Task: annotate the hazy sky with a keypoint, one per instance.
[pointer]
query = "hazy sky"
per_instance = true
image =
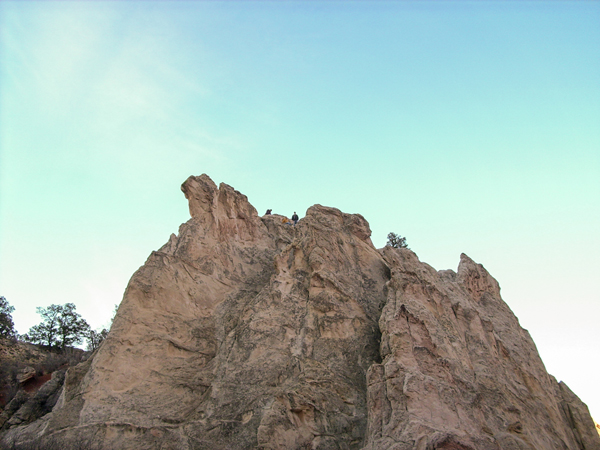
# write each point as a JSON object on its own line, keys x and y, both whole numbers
{"x": 465, "y": 126}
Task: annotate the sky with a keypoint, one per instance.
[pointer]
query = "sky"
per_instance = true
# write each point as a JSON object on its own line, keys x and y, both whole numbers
{"x": 464, "y": 126}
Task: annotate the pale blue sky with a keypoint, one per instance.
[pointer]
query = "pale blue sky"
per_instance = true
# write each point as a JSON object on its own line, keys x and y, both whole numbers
{"x": 465, "y": 126}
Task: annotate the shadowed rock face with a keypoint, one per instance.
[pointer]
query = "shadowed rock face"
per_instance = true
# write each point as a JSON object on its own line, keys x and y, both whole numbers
{"x": 244, "y": 332}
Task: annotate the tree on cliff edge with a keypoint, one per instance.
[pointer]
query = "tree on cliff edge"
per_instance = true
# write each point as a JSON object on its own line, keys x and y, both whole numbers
{"x": 396, "y": 241}
{"x": 61, "y": 327}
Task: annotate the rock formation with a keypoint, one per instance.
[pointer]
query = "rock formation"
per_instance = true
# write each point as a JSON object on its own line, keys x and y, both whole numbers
{"x": 243, "y": 332}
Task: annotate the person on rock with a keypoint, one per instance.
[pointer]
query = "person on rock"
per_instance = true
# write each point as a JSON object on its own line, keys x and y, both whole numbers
{"x": 268, "y": 213}
{"x": 295, "y": 218}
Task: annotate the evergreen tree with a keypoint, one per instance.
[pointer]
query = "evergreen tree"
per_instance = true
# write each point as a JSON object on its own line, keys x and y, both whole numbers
{"x": 396, "y": 241}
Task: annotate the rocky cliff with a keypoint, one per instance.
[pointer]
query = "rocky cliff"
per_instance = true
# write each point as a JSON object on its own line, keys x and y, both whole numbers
{"x": 243, "y": 332}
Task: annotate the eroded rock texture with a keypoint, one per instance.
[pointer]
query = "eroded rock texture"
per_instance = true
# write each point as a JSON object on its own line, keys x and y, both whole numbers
{"x": 244, "y": 332}
{"x": 458, "y": 372}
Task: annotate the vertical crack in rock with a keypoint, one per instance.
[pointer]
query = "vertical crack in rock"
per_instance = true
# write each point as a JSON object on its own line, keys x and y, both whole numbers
{"x": 244, "y": 332}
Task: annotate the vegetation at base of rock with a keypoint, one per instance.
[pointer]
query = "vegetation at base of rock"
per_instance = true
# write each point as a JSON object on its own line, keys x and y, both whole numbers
{"x": 396, "y": 241}
{"x": 7, "y": 327}
{"x": 61, "y": 327}
{"x": 95, "y": 338}
{"x": 46, "y": 348}
{"x": 18, "y": 357}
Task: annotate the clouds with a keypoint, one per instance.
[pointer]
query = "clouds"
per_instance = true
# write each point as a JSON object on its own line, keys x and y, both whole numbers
{"x": 106, "y": 89}
{"x": 96, "y": 67}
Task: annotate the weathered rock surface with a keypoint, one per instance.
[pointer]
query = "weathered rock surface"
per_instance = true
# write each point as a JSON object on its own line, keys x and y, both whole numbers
{"x": 244, "y": 332}
{"x": 25, "y": 408}
{"x": 458, "y": 372}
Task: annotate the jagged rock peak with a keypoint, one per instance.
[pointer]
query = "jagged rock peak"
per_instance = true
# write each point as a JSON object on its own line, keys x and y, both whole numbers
{"x": 324, "y": 216}
{"x": 224, "y": 202}
{"x": 246, "y": 332}
{"x": 223, "y": 210}
{"x": 477, "y": 280}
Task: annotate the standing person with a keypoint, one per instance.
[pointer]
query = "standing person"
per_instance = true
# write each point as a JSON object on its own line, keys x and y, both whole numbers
{"x": 295, "y": 218}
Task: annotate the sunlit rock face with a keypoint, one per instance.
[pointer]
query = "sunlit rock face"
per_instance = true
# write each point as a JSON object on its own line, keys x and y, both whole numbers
{"x": 458, "y": 372}
{"x": 244, "y": 332}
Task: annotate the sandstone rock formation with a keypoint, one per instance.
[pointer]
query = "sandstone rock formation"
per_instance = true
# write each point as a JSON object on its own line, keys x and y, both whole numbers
{"x": 243, "y": 332}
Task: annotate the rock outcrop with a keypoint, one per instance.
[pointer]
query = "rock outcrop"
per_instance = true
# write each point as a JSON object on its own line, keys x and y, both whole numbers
{"x": 458, "y": 372}
{"x": 244, "y": 332}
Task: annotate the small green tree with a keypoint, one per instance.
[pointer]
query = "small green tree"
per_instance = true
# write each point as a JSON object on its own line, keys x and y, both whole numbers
{"x": 61, "y": 327}
{"x": 396, "y": 241}
{"x": 7, "y": 327}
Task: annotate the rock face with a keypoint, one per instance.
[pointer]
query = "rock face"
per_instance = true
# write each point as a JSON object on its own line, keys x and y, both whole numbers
{"x": 244, "y": 332}
{"x": 458, "y": 371}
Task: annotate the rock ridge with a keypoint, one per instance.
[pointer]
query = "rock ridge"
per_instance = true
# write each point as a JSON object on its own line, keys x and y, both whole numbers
{"x": 244, "y": 332}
